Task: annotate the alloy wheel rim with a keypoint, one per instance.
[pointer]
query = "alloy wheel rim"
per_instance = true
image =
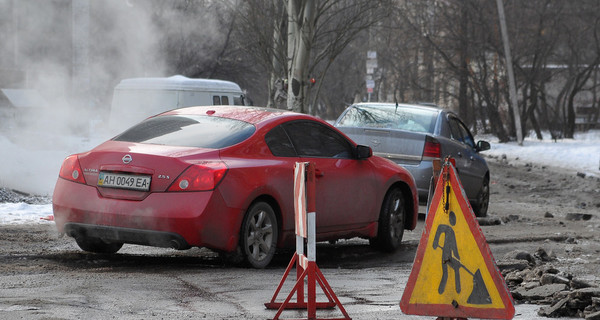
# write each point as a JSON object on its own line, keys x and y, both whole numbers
{"x": 259, "y": 236}
{"x": 485, "y": 194}
{"x": 396, "y": 218}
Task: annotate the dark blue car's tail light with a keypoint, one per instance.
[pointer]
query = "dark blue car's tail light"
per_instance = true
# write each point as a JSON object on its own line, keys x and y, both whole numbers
{"x": 432, "y": 148}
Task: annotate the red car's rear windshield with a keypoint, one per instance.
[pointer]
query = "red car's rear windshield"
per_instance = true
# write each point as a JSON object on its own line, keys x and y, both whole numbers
{"x": 189, "y": 131}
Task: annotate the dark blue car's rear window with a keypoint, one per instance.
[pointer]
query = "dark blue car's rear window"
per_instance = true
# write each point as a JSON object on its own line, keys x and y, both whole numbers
{"x": 189, "y": 131}
{"x": 390, "y": 117}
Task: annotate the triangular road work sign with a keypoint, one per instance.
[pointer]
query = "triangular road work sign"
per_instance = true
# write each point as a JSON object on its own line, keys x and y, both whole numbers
{"x": 454, "y": 273}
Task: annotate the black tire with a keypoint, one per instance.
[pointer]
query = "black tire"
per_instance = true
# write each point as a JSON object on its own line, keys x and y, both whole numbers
{"x": 97, "y": 245}
{"x": 391, "y": 221}
{"x": 432, "y": 185}
{"x": 258, "y": 237}
{"x": 480, "y": 208}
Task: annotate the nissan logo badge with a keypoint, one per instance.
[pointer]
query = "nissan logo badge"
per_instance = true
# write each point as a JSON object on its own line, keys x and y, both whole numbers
{"x": 127, "y": 159}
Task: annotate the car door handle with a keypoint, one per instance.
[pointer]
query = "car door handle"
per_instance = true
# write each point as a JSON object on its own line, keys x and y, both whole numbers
{"x": 318, "y": 173}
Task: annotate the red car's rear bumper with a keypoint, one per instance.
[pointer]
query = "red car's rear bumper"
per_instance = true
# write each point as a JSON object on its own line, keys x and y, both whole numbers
{"x": 199, "y": 218}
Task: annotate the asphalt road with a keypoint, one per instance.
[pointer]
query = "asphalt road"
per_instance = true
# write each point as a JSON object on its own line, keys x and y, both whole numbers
{"x": 44, "y": 276}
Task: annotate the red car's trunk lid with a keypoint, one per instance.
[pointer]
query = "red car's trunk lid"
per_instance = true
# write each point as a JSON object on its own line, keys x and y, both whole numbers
{"x": 161, "y": 164}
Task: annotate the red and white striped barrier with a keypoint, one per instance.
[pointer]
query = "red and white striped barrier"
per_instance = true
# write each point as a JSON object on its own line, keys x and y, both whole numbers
{"x": 306, "y": 266}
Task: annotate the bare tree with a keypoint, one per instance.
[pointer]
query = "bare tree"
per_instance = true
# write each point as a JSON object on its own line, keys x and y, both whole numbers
{"x": 314, "y": 32}
{"x": 340, "y": 23}
{"x": 261, "y": 34}
{"x": 534, "y": 49}
{"x": 465, "y": 39}
{"x": 447, "y": 52}
{"x": 301, "y": 32}
{"x": 580, "y": 53}
{"x": 408, "y": 52}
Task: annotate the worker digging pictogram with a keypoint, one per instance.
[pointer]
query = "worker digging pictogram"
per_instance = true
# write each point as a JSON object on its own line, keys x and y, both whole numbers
{"x": 451, "y": 259}
{"x": 454, "y": 274}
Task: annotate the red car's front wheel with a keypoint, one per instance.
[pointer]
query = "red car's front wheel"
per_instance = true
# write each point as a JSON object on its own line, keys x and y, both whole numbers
{"x": 391, "y": 221}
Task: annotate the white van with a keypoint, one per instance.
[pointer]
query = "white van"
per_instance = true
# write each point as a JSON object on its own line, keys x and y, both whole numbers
{"x": 136, "y": 99}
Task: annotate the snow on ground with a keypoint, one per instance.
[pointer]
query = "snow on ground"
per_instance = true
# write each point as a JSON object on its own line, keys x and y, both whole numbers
{"x": 17, "y": 213}
{"x": 30, "y": 161}
{"x": 581, "y": 154}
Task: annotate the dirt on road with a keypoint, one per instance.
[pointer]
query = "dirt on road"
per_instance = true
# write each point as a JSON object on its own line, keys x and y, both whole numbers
{"x": 45, "y": 276}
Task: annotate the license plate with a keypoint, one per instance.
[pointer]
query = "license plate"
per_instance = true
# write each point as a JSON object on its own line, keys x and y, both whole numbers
{"x": 124, "y": 181}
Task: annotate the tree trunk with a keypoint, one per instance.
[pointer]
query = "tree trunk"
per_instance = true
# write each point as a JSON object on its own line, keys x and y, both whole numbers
{"x": 463, "y": 77}
{"x": 483, "y": 114}
{"x": 496, "y": 123}
{"x": 570, "y": 125}
{"x": 525, "y": 114}
{"x": 533, "y": 96}
{"x": 595, "y": 97}
{"x": 495, "y": 119}
{"x": 275, "y": 85}
{"x": 301, "y": 15}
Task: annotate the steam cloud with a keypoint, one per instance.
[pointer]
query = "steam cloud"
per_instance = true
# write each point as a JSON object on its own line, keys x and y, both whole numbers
{"x": 74, "y": 63}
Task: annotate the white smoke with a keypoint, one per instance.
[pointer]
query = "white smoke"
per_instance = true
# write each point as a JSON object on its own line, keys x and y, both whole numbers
{"x": 73, "y": 62}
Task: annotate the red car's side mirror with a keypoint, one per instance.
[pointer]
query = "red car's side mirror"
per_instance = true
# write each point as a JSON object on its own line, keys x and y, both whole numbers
{"x": 363, "y": 152}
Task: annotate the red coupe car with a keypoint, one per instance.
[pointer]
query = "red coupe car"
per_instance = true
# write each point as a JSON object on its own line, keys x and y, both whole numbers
{"x": 222, "y": 178}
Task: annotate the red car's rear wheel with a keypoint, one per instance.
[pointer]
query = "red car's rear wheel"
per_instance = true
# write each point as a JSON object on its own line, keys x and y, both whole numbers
{"x": 259, "y": 235}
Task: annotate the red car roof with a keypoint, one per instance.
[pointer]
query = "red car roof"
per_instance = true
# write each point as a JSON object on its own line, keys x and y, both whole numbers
{"x": 252, "y": 115}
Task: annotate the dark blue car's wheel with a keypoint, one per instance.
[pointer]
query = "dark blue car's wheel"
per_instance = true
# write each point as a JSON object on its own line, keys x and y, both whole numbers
{"x": 483, "y": 199}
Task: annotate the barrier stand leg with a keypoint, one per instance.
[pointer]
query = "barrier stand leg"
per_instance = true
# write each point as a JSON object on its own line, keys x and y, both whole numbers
{"x": 313, "y": 275}
{"x": 285, "y": 305}
{"x": 329, "y": 292}
{"x": 306, "y": 266}
{"x": 300, "y": 268}
{"x": 275, "y": 305}
{"x": 300, "y": 271}
{"x": 310, "y": 265}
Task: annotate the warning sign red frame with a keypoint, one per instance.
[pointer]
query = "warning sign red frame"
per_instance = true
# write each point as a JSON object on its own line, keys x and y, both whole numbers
{"x": 452, "y": 309}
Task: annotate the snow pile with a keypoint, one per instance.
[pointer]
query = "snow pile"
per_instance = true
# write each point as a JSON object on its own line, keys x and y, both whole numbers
{"x": 13, "y": 196}
{"x": 18, "y": 207}
{"x": 30, "y": 163}
{"x": 21, "y": 212}
{"x": 581, "y": 154}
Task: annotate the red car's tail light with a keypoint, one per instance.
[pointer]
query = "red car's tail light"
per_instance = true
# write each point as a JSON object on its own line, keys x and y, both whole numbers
{"x": 432, "y": 148}
{"x": 71, "y": 170}
{"x": 200, "y": 177}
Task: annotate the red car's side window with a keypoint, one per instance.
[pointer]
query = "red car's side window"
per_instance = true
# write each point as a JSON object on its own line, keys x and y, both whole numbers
{"x": 279, "y": 143}
{"x": 311, "y": 139}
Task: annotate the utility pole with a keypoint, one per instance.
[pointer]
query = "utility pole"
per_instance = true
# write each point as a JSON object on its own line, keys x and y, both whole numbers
{"x": 511, "y": 75}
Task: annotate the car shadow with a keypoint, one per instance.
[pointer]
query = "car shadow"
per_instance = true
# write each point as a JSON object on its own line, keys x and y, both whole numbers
{"x": 343, "y": 254}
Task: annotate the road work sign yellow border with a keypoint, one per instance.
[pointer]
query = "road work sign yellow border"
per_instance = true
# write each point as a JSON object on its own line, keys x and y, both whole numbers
{"x": 454, "y": 273}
